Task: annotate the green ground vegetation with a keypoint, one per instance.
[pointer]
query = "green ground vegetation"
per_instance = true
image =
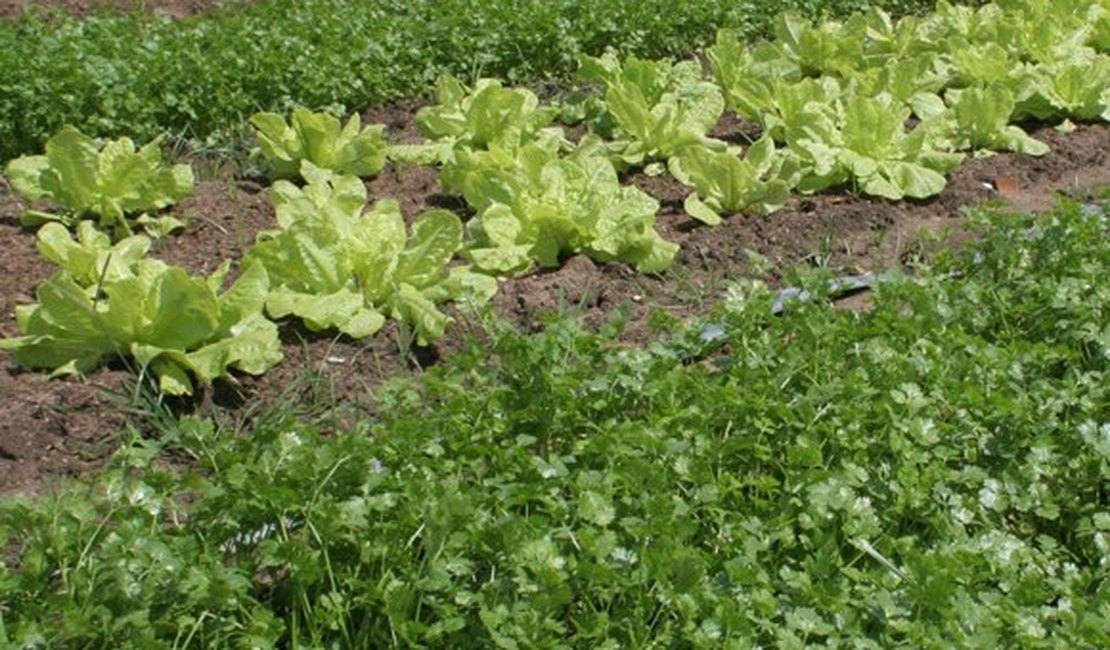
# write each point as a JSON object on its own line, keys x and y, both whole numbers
{"x": 201, "y": 77}
{"x": 929, "y": 473}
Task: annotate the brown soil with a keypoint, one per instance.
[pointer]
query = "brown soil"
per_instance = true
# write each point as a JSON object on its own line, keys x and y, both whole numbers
{"x": 50, "y": 428}
{"x": 82, "y": 8}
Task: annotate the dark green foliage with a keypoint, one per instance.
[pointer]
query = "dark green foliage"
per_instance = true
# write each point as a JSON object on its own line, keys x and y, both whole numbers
{"x": 929, "y": 474}
{"x": 139, "y": 75}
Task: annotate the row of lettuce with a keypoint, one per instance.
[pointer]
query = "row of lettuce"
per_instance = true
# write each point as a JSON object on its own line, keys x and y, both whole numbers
{"x": 834, "y": 103}
{"x": 199, "y": 78}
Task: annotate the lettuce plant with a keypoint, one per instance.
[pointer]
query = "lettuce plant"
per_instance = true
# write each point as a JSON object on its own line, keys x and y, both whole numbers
{"x": 863, "y": 140}
{"x": 727, "y": 184}
{"x": 1076, "y": 88}
{"x": 335, "y": 266}
{"x": 916, "y": 82}
{"x": 319, "y": 139}
{"x": 547, "y": 206}
{"x": 658, "y": 108}
{"x": 760, "y": 85}
{"x": 477, "y": 118}
{"x": 804, "y": 49}
{"x": 110, "y": 301}
{"x": 115, "y": 183}
{"x": 762, "y": 90}
{"x": 979, "y": 119}
{"x": 1048, "y": 54}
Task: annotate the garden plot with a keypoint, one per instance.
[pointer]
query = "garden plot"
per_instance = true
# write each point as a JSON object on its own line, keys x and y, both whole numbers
{"x": 642, "y": 119}
{"x": 64, "y": 426}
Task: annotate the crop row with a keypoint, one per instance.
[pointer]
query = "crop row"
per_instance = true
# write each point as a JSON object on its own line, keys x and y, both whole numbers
{"x": 833, "y": 102}
{"x": 928, "y": 474}
{"x": 145, "y": 75}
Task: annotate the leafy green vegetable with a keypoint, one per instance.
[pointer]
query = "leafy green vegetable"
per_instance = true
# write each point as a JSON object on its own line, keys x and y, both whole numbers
{"x": 486, "y": 115}
{"x": 332, "y": 265}
{"x": 658, "y": 107}
{"x": 1046, "y": 53}
{"x": 759, "y": 91}
{"x": 983, "y": 63}
{"x": 980, "y": 119}
{"x": 1076, "y": 88}
{"x": 865, "y": 140}
{"x": 110, "y": 182}
{"x": 108, "y": 300}
{"x": 319, "y": 139}
{"x": 915, "y": 82}
{"x": 804, "y": 49}
{"x": 536, "y": 206}
{"x": 727, "y": 184}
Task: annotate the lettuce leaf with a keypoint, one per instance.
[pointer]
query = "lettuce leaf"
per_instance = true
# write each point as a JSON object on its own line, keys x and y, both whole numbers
{"x": 559, "y": 205}
{"x": 335, "y": 266}
{"x": 813, "y": 50}
{"x": 115, "y": 183}
{"x": 727, "y": 184}
{"x": 659, "y": 108}
{"x": 758, "y": 91}
{"x": 864, "y": 140}
{"x": 979, "y": 119}
{"x": 487, "y": 115}
{"x": 1077, "y": 88}
{"x": 109, "y": 301}
{"x": 319, "y": 139}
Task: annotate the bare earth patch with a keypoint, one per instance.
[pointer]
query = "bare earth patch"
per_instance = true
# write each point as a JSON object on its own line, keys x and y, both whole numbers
{"x": 52, "y": 428}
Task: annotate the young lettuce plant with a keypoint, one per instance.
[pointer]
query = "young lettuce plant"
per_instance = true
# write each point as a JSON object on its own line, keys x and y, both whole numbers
{"x": 884, "y": 39}
{"x": 864, "y": 140}
{"x": 759, "y": 91}
{"x": 110, "y": 301}
{"x": 319, "y": 139}
{"x": 495, "y": 175}
{"x": 979, "y": 119}
{"x": 477, "y": 118}
{"x": 335, "y": 266}
{"x": 658, "y": 108}
{"x": 804, "y": 49}
{"x": 727, "y": 184}
{"x": 1047, "y": 54}
{"x": 915, "y": 82}
{"x": 116, "y": 183}
{"x": 1077, "y": 88}
{"x": 553, "y": 206}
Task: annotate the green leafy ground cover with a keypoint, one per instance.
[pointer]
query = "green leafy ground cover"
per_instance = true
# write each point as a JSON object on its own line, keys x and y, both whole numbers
{"x": 840, "y": 104}
{"x": 142, "y": 75}
{"x": 929, "y": 473}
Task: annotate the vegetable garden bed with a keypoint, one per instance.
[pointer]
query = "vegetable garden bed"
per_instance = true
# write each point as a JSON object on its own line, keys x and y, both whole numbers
{"x": 351, "y": 402}
{"x": 57, "y": 427}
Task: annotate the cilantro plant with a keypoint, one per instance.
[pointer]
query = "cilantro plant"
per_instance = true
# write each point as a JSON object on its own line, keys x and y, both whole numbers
{"x": 111, "y": 182}
{"x": 110, "y": 301}
{"x": 319, "y": 139}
